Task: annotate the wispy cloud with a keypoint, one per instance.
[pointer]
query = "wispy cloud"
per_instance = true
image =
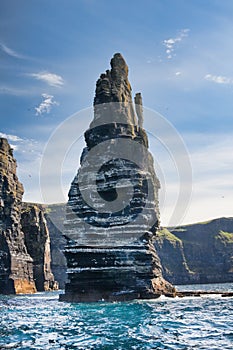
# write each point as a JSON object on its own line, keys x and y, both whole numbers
{"x": 21, "y": 145}
{"x": 171, "y": 43}
{"x": 219, "y": 79}
{"x": 8, "y": 90}
{"x": 10, "y": 137}
{"x": 9, "y": 51}
{"x": 49, "y": 78}
{"x": 46, "y": 105}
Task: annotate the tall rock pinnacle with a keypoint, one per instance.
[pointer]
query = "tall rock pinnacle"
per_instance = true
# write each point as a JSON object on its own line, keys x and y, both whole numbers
{"x": 112, "y": 211}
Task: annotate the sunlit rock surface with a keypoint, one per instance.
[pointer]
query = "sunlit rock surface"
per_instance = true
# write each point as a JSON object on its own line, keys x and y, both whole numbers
{"x": 112, "y": 212}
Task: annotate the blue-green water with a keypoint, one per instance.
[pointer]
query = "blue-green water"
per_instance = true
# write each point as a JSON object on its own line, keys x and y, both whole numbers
{"x": 40, "y": 321}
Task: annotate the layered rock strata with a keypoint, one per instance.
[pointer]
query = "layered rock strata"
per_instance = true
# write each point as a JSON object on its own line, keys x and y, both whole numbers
{"x": 112, "y": 211}
{"x": 214, "y": 239}
{"x": 37, "y": 240}
{"x": 16, "y": 265}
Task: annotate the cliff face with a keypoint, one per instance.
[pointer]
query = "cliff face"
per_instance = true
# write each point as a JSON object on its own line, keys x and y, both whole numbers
{"x": 16, "y": 272}
{"x": 37, "y": 241}
{"x": 112, "y": 212}
{"x": 173, "y": 260}
{"x": 208, "y": 250}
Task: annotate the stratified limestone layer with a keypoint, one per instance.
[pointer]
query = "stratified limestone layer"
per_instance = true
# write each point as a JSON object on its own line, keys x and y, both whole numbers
{"x": 109, "y": 252}
{"x": 16, "y": 272}
{"x": 114, "y": 274}
{"x": 37, "y": 240}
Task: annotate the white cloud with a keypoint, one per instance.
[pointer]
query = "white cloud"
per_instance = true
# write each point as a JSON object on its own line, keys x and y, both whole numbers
{"x": 170, "y": 43}
{"x": 6, "y": 90}
{"x": 49, "y": 78}
{"x": 219, "y": 79}
{"x": 10, "y": 137}
{"x": 178, "y": 73}
{"x": 15, "y": 147}
{"x": 9, "y": 51}
{"x": 46, "y": 104}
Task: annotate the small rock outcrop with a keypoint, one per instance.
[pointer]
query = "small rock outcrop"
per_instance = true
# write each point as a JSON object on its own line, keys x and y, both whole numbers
{"x": 16, "y": 265}
{"x": 112, "y": 211}
{"x": 37, "y": 241}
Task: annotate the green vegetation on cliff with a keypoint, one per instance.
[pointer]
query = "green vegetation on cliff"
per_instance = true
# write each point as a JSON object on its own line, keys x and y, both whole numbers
{"x": 206, "y": 249}
{"x": 164, "y": 233}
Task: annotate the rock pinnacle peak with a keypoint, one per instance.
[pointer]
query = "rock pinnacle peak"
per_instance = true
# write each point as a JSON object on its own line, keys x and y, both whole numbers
{"x": 118, "y": 64}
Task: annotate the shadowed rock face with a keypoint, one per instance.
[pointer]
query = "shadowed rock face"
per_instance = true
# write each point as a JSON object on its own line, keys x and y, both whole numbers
{"x": 16, "y": 272}
{"x": 55, "y": 215}
{"x": 208, "y": 251}
{"x": 109, "y": 251}
{"x": 37, "y": 241}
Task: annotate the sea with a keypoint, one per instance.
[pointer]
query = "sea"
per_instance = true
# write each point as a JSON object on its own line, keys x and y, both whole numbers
{"x": 40, "y": 321}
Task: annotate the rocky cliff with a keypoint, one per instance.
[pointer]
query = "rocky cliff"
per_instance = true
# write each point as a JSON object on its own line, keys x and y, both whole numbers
{"x": 112, "y": 212}
{"x": 171, "y": 252}
{"x": 205, "y": 252}
{"x": 24, "y": 237}
{"x": 37, "y": 241}
{"x": 16, "y": 265}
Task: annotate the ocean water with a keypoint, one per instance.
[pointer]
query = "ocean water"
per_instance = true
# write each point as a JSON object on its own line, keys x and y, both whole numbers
{"x": 40, "y": 321}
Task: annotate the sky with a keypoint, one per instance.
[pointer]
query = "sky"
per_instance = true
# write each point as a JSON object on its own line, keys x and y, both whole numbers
{"x": 179, "y": 54}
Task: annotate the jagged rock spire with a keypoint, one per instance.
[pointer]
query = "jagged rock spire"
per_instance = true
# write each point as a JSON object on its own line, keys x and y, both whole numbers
{"x": 113, "y": 88}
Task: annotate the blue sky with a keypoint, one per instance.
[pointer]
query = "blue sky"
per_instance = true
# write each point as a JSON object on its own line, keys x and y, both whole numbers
{"x": 180, "y": 58}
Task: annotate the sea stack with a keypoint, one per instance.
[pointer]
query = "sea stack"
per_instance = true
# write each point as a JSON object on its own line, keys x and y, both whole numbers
{"x": 112, "y": 212}
{"x": 16, "y": 270}
{"x": 37, "y": 241}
